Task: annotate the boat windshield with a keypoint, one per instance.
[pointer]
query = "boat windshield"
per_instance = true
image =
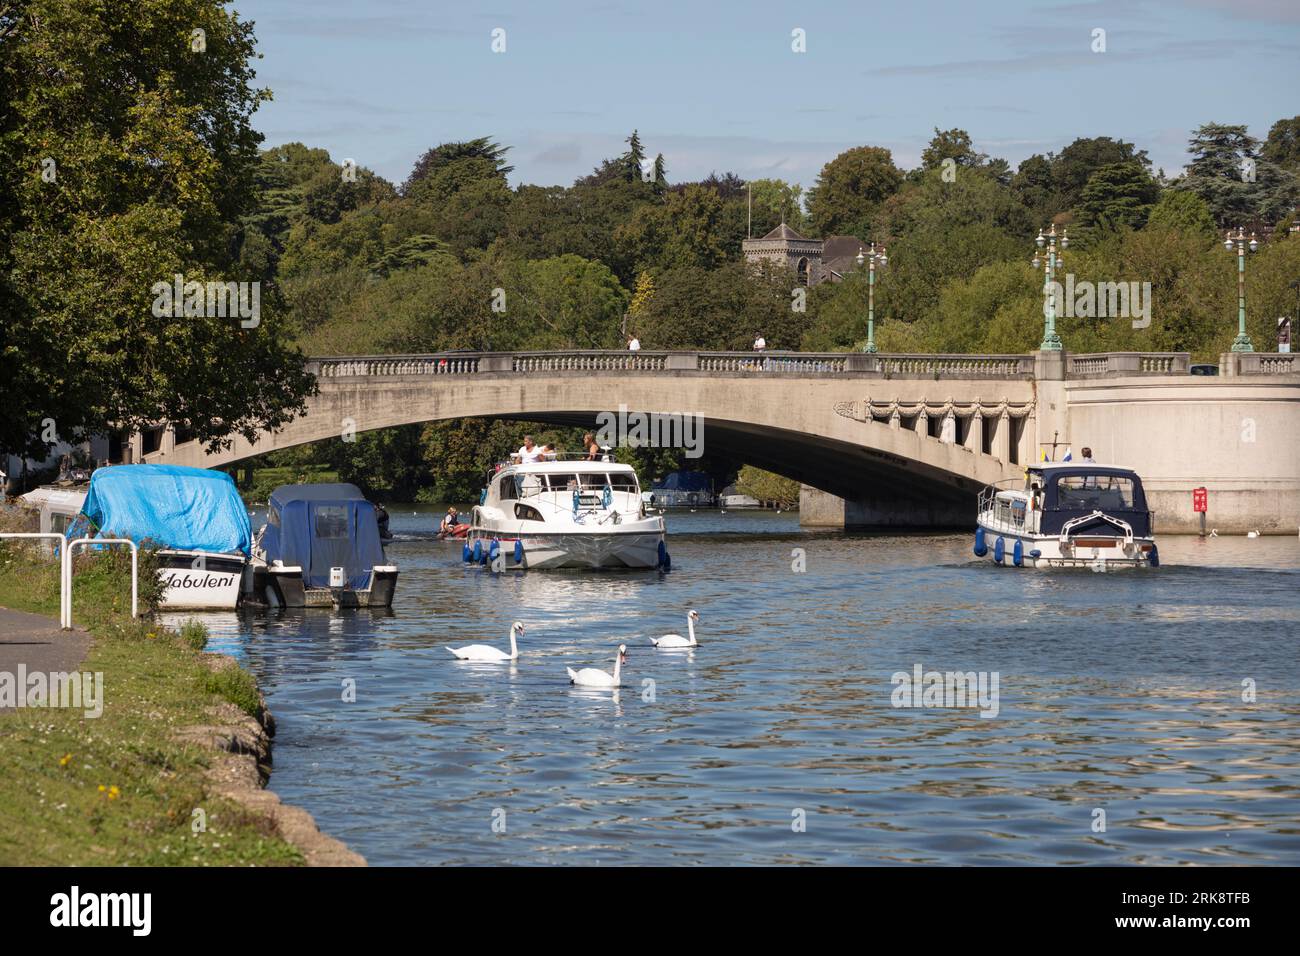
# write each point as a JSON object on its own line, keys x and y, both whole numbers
{"x": 1093, "y": 492}
{"x": 528, "y": 484}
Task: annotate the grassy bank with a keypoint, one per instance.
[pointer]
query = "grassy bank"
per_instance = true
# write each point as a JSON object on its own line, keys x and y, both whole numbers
{"x": 117, "y": 789}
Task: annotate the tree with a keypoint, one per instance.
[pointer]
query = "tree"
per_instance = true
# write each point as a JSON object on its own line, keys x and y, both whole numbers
{"x": 684, "y": 230}
{"x": 849, "y": 190}
{"x": 484, "y": 154}
{"x": 1119, "y": 195}
{"x": 151, "y": 162}
{"x": 1075, "y": 164}
{"x": 1283, "y": 144}
{"x": 767, "y": 487}
{"x": 1185, "y": 212}
{"x": 1237, "y": 184}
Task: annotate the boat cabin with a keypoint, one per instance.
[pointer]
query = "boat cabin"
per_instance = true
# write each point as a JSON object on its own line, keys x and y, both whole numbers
{"x": 1065, "y": 497}
{"x": 535, "y": 490}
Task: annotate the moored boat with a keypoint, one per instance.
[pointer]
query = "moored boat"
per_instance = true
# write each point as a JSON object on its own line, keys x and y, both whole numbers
{"x": 566, "y": 514}
{"x": 194, "y": 517}
{"x": 1067, "y": 514}
{"x": 320, "y": 547}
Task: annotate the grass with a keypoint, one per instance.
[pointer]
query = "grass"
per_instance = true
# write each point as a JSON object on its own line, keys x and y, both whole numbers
{"x": 117, "y": 789}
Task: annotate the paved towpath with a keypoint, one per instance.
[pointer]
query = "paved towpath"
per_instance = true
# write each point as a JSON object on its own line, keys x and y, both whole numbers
{"x": 37, "y": 643}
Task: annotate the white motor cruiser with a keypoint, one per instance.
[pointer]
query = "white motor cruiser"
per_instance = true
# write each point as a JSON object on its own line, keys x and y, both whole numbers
{"x": 565, "y": 514}
{"x": 1067, "y": 514}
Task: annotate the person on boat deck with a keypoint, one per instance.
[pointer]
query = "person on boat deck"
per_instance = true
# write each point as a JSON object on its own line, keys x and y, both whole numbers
{"x": 548, "y": 452}
{"x": 1087, "y": 460}
{"x": 530, "y": 452}
{"x": 449, "y": 520}
{"x": 590, "y": 447}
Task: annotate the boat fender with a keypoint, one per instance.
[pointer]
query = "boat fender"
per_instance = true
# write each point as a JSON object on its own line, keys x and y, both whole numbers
{"x": 981, "y": 546}
{"x": 665, "y": 562}
{"x": 482, "y": 496}
{"x": 999, "y": 550}
{"x": 1035, "y": 553}
{"x": 494, "y": 549}
{"x": 519, "y": 551}
{"x": 464, "y": 552}
{"x": 1018, "y": 554}
{"x": 1154, "y": 558}
{"x": 478, "y": 551}
{"x": 607, "y": 496}
{"x": 577, "y": 501}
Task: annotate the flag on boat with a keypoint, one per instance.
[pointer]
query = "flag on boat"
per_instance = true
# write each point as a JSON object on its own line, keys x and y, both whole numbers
{"x": 1042, "y": 454}
{"x": 1069, "y": 455}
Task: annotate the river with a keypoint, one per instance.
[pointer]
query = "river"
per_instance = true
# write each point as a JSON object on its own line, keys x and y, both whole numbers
{"x": 1118, "y": 735}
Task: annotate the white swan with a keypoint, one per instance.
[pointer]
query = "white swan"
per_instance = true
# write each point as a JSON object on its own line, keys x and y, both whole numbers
{"x": 1252, "y": 534}
{"x": 676, "y": 640}
{"x": 591, "y": 677}
{"x": 485, "y": 652}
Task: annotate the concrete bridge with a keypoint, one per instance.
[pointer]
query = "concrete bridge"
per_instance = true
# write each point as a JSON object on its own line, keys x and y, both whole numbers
{"x": 877, "y": 440}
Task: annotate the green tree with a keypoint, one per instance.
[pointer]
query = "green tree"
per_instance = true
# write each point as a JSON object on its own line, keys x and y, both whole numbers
{"x": 1184, "y": 212}
{"x": 1282, "y": 147}
{"x": 154, "y": 165}
{"x": 849, "y": 190}
{"x": 1119, "y": 195}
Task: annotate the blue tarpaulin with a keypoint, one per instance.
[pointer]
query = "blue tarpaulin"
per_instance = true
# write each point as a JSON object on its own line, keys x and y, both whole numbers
{"x": 171, "y": 506}
{"x": 318, "y": 527}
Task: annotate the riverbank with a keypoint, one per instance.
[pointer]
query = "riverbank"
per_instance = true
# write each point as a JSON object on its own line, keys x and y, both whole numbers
{"x": 164, "y": 762}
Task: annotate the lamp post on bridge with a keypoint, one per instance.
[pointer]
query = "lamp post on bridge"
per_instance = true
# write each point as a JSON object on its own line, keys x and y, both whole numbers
{"x": 1048, "y": 245}
{"x": 870, "y": 259}
{"x": 1242, "y": 342}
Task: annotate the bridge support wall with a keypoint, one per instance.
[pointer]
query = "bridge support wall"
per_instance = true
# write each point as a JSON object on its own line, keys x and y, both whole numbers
{"x": 820, "y": 509}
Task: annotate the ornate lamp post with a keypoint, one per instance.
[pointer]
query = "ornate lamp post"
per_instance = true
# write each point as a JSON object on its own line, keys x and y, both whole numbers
{"x": 1048, "y": 244}
{"x": 1239, "y": 242}
{"x": 870, "y": 259}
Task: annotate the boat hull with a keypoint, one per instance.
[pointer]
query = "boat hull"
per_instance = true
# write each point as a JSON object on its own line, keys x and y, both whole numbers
{"x": 1044, "y": 552}
{"x": 200, "y": 580}
{"x": 285, "y": 587}
{"x": 632, "y": 549}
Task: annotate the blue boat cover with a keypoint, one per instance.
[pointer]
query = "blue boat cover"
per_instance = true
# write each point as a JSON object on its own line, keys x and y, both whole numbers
{"x": 318, "y": 527}
{"x": 170, "y": 506}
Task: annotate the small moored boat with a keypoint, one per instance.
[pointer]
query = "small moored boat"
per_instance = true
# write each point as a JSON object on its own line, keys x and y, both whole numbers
{"x": 1067, "y": 514}
{"x": 320, "y": 547}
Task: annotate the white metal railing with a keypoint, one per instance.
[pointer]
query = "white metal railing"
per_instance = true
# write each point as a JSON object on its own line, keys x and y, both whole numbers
{"x": 65, "y": 569}
{"x": 65, "y": 592}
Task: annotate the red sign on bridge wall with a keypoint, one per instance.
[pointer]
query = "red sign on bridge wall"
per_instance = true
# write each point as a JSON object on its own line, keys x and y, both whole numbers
{"x": 1200, "y": 500}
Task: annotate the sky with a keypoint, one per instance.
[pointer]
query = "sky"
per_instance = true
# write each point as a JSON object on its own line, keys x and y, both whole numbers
{"x": 717, "y": 86}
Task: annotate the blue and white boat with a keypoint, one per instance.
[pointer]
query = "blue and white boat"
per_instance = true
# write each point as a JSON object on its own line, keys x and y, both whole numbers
{"x": 194, "y": 517}
{"x": 1067, "y": 514}
{"x": 321, "y": 547}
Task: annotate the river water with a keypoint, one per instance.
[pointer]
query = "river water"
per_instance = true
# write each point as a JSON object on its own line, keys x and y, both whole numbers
{"x": 1120, "y": 735}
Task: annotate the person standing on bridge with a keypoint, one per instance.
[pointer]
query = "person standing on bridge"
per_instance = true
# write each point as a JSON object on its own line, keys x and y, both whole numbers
{"x": 760, "y": 343}
{"x": 633, "y": 344}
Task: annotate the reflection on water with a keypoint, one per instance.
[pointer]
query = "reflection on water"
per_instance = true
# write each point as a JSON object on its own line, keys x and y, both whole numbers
{"x": 1119, "y": 691}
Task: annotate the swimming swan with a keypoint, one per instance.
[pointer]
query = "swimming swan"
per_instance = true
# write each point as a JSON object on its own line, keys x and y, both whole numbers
{"x": 676, "y": 640}
{"x": 591, "y": 677}
{"x": 485, "y": 652}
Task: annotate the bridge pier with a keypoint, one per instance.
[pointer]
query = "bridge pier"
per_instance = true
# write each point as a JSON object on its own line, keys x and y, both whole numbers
{"x": 821, "y": 509}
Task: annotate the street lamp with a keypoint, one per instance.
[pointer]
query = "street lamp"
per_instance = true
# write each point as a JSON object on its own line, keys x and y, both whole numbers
{"x": 870, "y": 259}
{"x": 1242, "y": 342}
{"x": 1048, "y": 244}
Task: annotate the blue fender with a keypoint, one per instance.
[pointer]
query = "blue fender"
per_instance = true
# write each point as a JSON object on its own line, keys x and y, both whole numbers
{"x": 1018, "y": 554}
{"x": 519, "y": 551}
{"x": 607, "y": 496}
{"x": 465, "y": 552}
{"x": 478, "y": 551}
{"x": 665, "y": 561}
{"x": 999, "y": 550}
{"x": 1154, "y": 557}
{"x": 981, "y": 546}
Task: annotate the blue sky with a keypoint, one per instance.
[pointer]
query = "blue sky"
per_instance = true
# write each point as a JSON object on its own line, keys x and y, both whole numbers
{"x": 716, "y": 86}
